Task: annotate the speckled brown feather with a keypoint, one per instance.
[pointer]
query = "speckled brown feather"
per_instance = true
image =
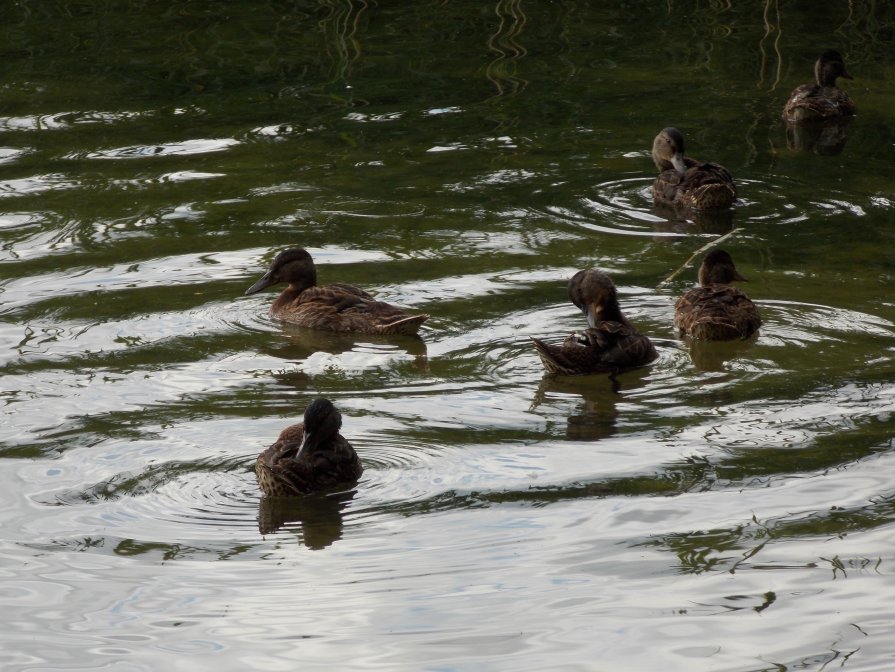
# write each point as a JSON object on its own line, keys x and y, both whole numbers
{"x": 824, "y": 100}
{"x": 341, "y": 307}
{"x": 608, "y": 347}
{"x": 686, "y": 182}
{"x": 281, "y": 474}
{"x": 337, "y": 307}
{"x": 716, "y": 313}
{"x": 810, "y": 102}
{"x": 309, "y": 456}
{"x": 716, "y": 310}
{"x": 703, "y": 186}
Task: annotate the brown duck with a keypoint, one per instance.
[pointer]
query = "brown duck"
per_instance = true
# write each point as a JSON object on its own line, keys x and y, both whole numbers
{"x": 716, "y": 310}
{"x": 686, "y": 182}
{"x": 823, "y": 101}
{"x": 309, "y": 456}
{"x": 336, "y": 307}
{"x": 610, "y": 345}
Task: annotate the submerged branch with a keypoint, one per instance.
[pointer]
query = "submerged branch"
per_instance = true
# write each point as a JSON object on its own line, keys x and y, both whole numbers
{"x": 689, "y": 262}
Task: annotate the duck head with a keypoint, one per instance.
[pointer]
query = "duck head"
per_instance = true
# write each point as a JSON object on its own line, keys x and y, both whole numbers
{"x": 668, "y": 150}
{"x": 322, "y": 422}
{"x": 294, "y": 266}
{"x": 594, "y": 294}
{"x": 828, "y": 67}
{"x": 717, "y": 269}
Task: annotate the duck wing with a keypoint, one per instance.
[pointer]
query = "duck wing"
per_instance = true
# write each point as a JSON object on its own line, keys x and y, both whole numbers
{"x": 349, "y": 289}
{"x": 817, "y": 103}
{"x": 343, "y": 307}
{"x": 704, "y": 185}
{"x": 666, "y": 186}
{"x": 607, "y": 347}
{"x": 282, "y": 473}
{"x": 707, "y": 185}
{"x": 716, "y": 313}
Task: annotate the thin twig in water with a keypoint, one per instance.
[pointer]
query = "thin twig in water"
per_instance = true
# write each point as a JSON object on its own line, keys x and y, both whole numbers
{"x": 686, "y": 265}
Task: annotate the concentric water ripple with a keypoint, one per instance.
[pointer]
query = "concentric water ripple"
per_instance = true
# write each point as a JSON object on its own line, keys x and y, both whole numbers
{"x": 462, "y": 161}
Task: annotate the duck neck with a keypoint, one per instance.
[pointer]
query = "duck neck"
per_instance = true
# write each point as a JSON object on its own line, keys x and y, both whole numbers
{"x": 825, "y": 75}
{"x": 611, "y": 312}
{"x": 292, "y": 292}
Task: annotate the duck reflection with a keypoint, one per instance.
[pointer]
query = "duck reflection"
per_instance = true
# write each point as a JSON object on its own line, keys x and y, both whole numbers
{"x": 595, "y": 417}
{"x": 825, "y": 138}
{"x": 711, "y": 356}
{"x": 677, "y": 220}
{"x": 319, "y": 516}
{"x": 301, "y": 343}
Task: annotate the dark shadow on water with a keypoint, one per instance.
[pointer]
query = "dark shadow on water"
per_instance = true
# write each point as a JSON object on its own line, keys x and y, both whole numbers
{"x": 595, "y": 416}
{"x": 306, "y": 342}
{"x": 714, "y": 355}
{"x": 316, "y": 518}
{"x": 687, "y": 220}
{"x": 825, "y": 139}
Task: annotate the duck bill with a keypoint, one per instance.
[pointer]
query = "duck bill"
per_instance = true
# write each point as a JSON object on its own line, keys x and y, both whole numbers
{"x": 305, "y": 442}
{"x": 677, "y": 160}
{"x": 845, "y": 74}
{"x": 593, "y": 313}
{"x": 737, "y": 276}
{"x": 265, "y": 281}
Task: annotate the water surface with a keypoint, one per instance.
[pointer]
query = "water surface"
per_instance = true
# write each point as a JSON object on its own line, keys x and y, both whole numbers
{"x": 728, "y": 508}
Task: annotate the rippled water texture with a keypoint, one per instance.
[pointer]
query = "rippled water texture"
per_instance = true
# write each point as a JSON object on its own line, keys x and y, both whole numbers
{"x": 731, "y": 507}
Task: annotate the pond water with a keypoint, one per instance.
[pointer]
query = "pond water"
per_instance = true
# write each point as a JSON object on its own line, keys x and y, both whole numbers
{"x": 731, "y": 507}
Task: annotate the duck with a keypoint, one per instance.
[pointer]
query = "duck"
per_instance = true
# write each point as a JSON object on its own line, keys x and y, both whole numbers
{"x": 823, "y": 101}
{"x": 686, "y": 182}
{"x": 716, "y": 310}
{"x": 337, "y": 307}
{"x": 309, "y": 456}
{"x": 610, "y": 344}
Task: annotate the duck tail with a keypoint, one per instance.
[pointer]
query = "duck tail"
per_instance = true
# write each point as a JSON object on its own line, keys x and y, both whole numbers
{"x": 547, "y": 358}
{"x": 715, "y": 329}
{"x": 406, "y": 325}
{"x": 714, "y": 195}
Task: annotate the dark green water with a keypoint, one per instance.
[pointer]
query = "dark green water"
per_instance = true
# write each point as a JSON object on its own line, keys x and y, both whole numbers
{"x": 462, "y": 159}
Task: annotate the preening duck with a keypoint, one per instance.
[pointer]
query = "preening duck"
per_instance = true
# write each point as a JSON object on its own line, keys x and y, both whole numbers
{"x": 611, "y": 343}
{"x": 309, "y": 456}
{"x": 683, "y": 181}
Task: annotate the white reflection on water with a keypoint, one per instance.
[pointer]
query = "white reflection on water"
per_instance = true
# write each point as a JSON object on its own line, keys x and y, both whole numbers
{"x": 35, "y": 184}
{"x": 182, "y": 148}
{"x": 728, "y": 508}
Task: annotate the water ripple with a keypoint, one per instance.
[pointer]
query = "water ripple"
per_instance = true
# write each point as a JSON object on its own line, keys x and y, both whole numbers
{"x": 182, "y": 148}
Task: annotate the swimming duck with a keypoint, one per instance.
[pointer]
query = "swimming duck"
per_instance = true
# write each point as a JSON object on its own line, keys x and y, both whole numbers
{"x": 822, "y": 101}
{"x": 336, "y": 307}
{"x": 611, "y": 343}
{"x": 716, "y": 311}
{"x": 309, "y": 456}
{"x": 683, "y": 181}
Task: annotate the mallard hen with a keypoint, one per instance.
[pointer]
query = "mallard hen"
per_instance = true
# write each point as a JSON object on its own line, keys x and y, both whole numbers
{"x": 611, "y": 343}
{"x": 335, "y": 307}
